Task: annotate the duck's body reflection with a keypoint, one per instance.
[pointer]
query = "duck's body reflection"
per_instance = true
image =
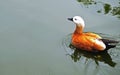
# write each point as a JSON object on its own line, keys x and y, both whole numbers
{"x": 97, "y": 57}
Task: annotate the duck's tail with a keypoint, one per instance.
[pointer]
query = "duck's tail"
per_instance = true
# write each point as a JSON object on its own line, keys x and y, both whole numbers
{"x": 110, "y": 43}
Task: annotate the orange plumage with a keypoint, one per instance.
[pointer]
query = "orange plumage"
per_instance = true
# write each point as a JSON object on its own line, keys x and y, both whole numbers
{"x": 88, "y": 41}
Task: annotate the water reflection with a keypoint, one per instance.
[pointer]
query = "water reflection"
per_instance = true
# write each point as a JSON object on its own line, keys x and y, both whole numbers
{"x": 104, "y": 57}
{"x": 105, "y": 8}
{"x": 97, "y": 57}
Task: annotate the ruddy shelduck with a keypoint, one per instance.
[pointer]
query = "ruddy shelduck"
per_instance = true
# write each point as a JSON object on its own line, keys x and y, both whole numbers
{"x": 89, "y": 41}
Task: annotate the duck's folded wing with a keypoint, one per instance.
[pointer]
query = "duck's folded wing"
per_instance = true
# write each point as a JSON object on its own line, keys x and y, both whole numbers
{"x": 98, "y": 45}
{"x": 110, "y": 43}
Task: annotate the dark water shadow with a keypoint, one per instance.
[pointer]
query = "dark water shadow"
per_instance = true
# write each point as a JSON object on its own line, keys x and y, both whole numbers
{"x": 104, "y": 57}
{"x": 97, "y": 57}
{"x": 104, "y": 7}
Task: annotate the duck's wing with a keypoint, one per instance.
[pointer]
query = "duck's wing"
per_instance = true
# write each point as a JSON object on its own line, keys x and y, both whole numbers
{"x": 94, "y": 41}
{"x": 110, "y": 43}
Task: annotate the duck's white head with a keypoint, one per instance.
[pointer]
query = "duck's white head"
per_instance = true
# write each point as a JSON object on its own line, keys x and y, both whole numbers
{"x": 77, "y": 20}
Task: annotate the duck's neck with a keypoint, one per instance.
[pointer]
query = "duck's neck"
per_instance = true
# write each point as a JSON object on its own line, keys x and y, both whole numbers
{"x": 79, "y": 29}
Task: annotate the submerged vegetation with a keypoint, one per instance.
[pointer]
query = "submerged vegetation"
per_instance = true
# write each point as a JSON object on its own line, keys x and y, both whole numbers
{"x": 105, "y": 7}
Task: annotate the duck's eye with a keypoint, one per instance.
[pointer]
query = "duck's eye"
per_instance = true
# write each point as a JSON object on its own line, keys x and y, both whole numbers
{"x": 75, "y": 19}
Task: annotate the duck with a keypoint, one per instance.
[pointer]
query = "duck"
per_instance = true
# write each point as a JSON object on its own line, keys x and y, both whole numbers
{"x": 89, "y": 41}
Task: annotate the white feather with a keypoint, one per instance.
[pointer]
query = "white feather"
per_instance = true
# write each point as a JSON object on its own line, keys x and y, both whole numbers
{"x": 100, "y": 43}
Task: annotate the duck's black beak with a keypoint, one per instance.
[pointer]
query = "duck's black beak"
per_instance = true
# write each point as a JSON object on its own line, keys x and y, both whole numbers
{"x": 70, "y": 19}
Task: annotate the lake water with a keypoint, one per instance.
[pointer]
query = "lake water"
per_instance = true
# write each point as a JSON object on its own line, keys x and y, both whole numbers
{"x": 32, "y": 34}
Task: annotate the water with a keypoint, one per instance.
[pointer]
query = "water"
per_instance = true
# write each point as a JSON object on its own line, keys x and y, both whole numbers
{"x": 32, "y": 32}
